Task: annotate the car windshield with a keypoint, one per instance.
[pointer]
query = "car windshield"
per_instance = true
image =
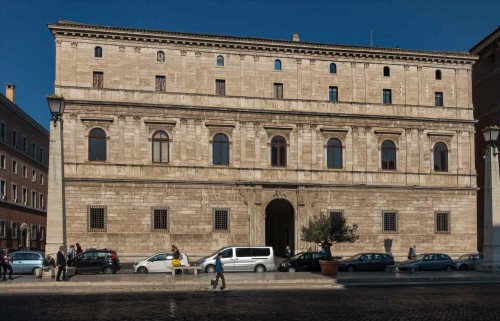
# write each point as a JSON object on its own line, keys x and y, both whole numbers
{"x": 466, "y": 257}
{"x": 216, "y": 252}
{"x": 355, "y": 257}
{"x": 419, "y": 257}
{"x": 297, "y": 256}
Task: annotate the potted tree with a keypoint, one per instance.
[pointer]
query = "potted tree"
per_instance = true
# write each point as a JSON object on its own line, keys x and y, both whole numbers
{"x": 327, "y": 230}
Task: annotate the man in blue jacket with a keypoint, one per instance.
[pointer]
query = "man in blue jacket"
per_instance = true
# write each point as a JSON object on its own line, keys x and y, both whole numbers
{"x": 219, "y": 271}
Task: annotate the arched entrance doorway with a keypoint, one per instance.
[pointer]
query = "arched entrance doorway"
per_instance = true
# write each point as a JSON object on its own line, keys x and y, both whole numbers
{"x": 280, "y": 230}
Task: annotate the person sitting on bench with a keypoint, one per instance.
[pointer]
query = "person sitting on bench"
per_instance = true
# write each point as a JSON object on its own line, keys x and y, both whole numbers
{"x": 48, "y": 264}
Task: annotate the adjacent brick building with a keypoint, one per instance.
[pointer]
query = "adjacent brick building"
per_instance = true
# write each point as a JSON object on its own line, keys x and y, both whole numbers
{"x": 24, "y": 146}
{"x": 205, "y": 140}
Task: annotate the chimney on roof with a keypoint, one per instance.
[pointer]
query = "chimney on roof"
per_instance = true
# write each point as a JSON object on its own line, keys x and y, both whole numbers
{"x": 10, "y": 91}
{"x": 295, "y": 37}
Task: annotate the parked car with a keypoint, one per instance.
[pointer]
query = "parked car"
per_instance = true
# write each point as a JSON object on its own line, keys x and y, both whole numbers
{"x": 95, "y": 261}
{"x": 241, "y": 258}
{"x": 303, "y": 261}
{"x": 468, "y": 262}
{"x": 158, "y": 263}
{"x": 428, "y": 262}
{"x": 367, "y": 262}
{"x": 26, "y": 262}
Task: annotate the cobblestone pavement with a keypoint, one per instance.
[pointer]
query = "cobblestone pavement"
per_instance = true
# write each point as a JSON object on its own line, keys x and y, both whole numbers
{"x": 437, "y": 302}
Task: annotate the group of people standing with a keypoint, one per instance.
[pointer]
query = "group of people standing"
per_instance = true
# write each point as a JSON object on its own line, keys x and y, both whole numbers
{"x": 412, "y": 252}
{"x": 49, "y": 264}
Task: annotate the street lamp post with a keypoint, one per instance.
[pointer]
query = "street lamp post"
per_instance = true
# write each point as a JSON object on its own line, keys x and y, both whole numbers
{"x": 491, "y": 247}
{"x": 56, "y": 209}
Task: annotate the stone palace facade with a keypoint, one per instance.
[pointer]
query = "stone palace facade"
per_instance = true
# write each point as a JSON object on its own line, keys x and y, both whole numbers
{"x": 204, "y": 141}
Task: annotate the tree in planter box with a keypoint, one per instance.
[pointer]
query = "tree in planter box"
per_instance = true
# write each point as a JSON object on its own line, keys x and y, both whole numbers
{"x": 326, "y": 230}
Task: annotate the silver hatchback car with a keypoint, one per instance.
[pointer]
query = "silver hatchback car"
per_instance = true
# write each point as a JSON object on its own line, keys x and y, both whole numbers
{"x": 26, "y": 262}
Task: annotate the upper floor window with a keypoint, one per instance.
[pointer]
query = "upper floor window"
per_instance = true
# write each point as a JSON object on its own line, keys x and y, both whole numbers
{"x": 388, "y": 155}
{"x": 333, "y": 93}
{"x": 334, "y": 153}
{"x": 25, "y": 145}
{"x": 3, "y": 189}
{"x": 387, "y": 96}
{"x": 14, "y": 138}
{"x": 333, "y": 68}
{"x": 278, "y": 90}
{"x": 3, "y": 161}
{"x": 221, "y": 150}
{"x": 42, "y": 160}
{"x": 3, "y": 131}
{"x": 438, "y": 75}
{"x": 33, "y": 150}
{"x": 278, "y": 151}
{"x": 387, "y": 71}
{"x": 14, "y": 166}
{"x": 160, "y": 83}
{"x": 98, "y": 52}
{"x": 440, "y": 157}
{"x": 220, "y": 87}
{"x": 97, "y": 145}
{"x": 98, "y": 80}
{"x": 220, "y": 61}
{"x": 390, "y": 222}
{"x": 438, "y": 99}
{"x": 160, "y": 56}
{"x": 160, "y": 147}
{"x": 277, "y": 64}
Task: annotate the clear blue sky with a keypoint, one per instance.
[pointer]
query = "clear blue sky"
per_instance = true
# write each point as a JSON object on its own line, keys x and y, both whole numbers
{"x": 27, "y": 47}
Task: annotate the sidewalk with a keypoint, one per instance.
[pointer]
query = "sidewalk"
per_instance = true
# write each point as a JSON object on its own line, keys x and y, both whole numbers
{"x": 235, "y": 281}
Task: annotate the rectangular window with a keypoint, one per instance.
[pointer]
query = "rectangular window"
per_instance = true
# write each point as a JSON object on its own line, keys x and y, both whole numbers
{"x": 159, "y": 219}
{"x": 96, "y": 218}
{"x": 161, "y": 83}
{"x": 33, "y": 232}
{"x": 25, "y": 171}
{"x": 335, "y": 214}
{"x": 333, "y": 93}
{"x": 3, "y": 189}
{"x": 220, "y": 87}
{"x": 442, "y": 220}
{"x": 278, "y": 90}
{"x": 220, "y": 219}
{"x": 14, "y": 193}
{"x": 42, "y": 233}
{"x": 3, "y": 132}
{"x": 14, "y": 166}
{"x": 41, "y": 159}
{"x": 3, "y": 161}
{"x": 33, "y": 150}
{"x": 13, "y": 226}
{"x": 438, "y": 98}
{"x": 390, "y": 222}
{"x": 41, "y": 179}
{"x": 33, "y": 176}
{"x": 33, "y": 198}
{"x": 42, "y": 201}
{"x": 25, "y": 196}
{"x": 3, "y": 228}
{"x": 25, "y": 145}
{"x": 98, "y": 81}
{"x": 14, "y": 138}
{"x": 387, "y": 94}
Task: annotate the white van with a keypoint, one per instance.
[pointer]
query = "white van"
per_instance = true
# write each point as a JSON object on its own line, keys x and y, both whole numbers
{"x": 241, "y": 258}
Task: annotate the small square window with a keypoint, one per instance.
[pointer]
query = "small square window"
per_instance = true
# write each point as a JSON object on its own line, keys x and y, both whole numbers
{"x": 220, "y": 220}
{"x": 160, "y": 219}
{"x": 390, "y": 222}
{"x": 96, "y": 218}
{"x": 442, "y": 222}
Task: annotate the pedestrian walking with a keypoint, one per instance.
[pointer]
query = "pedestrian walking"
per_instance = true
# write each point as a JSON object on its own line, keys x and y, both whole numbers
{"x": 219, "y": 271}
{"x": 48, "y": 264}
{"x": 78, "y": 249}
{"x": 410, "y": 253}
{"x": 7, "y": 265}
{"x": 61, "y": 264}
{"x": 414, "y": 251}
{"x": 71, "y": 252}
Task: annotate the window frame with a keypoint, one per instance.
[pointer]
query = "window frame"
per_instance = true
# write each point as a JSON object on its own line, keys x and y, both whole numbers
{"x": 220, "y": 61}
{"x": 387, "y": 150}
{"x": 14, "y": 192}
{"x": 333, "y": 94}
{"x": 440, "y": 151}
{"x": 14, "y": 234}
{"x": 98, "y": 141}
{"x": 3, "y": 228}
{"x": 98, "y": 52}
{"x": 227, "y": 220}
{"x": 160, "y": 56}
{"x": 14, "y": 166}
{"x": 161, "y": 142}
{"x": 333, "y": 66}
{"x": 438, "y": 229}
{"x": 166, "y": 220}
{"x": 220, "y": 87}
{"x": 387, "y": 96}
{"x": 160, "y": 83}
{"x": 438, "y": 74}
{"x": 41, "y": 203}
{"x": 438, "y": 99}
{"x": 34, "y": 200}
{"x": 386, "y": 71}
{"x": 3, "y": 161}
{"x": 14, "y": 138}
{"x": 220, "y": 144}
{"x": 104, "y": 209}
{"x": 278, "y": 89}
{"x": 25, "y": 171}
{"x": 34, "y": 232}
{"x": 278, "y": 66}
{"x": 3, "y": 132}
{"x": 333, "y": 148}
{"x": 24, "y": 195}
{"x": 25, "y": 145}
{"x": 384, "y": 222}
{"x": 281, "y": 148}
{"x": 3, "y": 189}
{"x": 97, "y": 79}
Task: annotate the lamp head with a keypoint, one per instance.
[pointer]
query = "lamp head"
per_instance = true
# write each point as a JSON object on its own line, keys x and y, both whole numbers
{"x": 56, "y": 106}
{"x": 491, "y": 134}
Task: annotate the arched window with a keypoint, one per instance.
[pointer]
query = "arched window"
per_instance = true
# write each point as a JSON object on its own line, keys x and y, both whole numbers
{"x": 221, "y": 150}
{"x": 98, "y": 52}
{"x": 438, "y": 75}
{"x": 334, "y": 153}
{"x": 387, "y": 71}
{"x": 160, "y": 147}
{"x": 278, "y": 151}
{"x": 388, "y": 155}
{"x": 160, "y": 56}
{"x": 440, "y": 157}
{"x": 333, "y": 68}
{"x": 277, "y": 64}
{"x": 220, "y": 61}
{"x": 97, "y": 145}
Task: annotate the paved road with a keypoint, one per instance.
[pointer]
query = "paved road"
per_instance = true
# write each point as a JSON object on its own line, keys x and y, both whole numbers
{"x": 438, "y": 302}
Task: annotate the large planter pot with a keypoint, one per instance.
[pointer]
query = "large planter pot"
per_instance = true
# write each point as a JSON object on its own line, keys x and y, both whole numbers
{"x": 329, "y": 268}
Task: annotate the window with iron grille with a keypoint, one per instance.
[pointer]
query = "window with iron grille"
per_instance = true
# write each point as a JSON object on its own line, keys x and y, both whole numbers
{"x": 221, "y": 220}
{"x": 390, "y": 222}
{"x": 96, "y": 218}
{"x": 160, "y": 219}
{"x": 335, "y": 215}
{"x": 98, "y": 79}
{"x": 442, "y": 222}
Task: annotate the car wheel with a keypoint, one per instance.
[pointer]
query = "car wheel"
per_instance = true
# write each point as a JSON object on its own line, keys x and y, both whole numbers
{"x": 291, "y": 269}
{"x": 108, "y": 270}
{"x": 142, "y": 270}
{"x": 448, "y": 268}
{"x": 260, "y": 268}
{"x": 463, "y": 267}
{"x": 350, "y": 268}
{"x": 210, "y": 269}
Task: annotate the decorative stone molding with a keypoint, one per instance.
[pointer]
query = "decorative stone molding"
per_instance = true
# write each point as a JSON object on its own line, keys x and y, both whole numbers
{"x": 183, "y": 52}
{"x": 91, "y": 122}
{"x": 121, "y": 48}
{"x": 137, "y": 49}
{"x": 220, "y": 128}
{"x": 197, "y": 54}
{"x": 74, "y": 44}
{"x": 436, "y": 137}
{"x": 339, "y": 133}
{"x": 276, "y": 130}
{"x": 393, "y": 135}
{"x": 163, "y": 125}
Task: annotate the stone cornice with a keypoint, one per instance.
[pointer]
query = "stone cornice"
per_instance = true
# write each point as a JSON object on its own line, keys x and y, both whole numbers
{"x": 98, "y": 119}
{"x": 16, "y": 110}
{"x": 79, "y": 30}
